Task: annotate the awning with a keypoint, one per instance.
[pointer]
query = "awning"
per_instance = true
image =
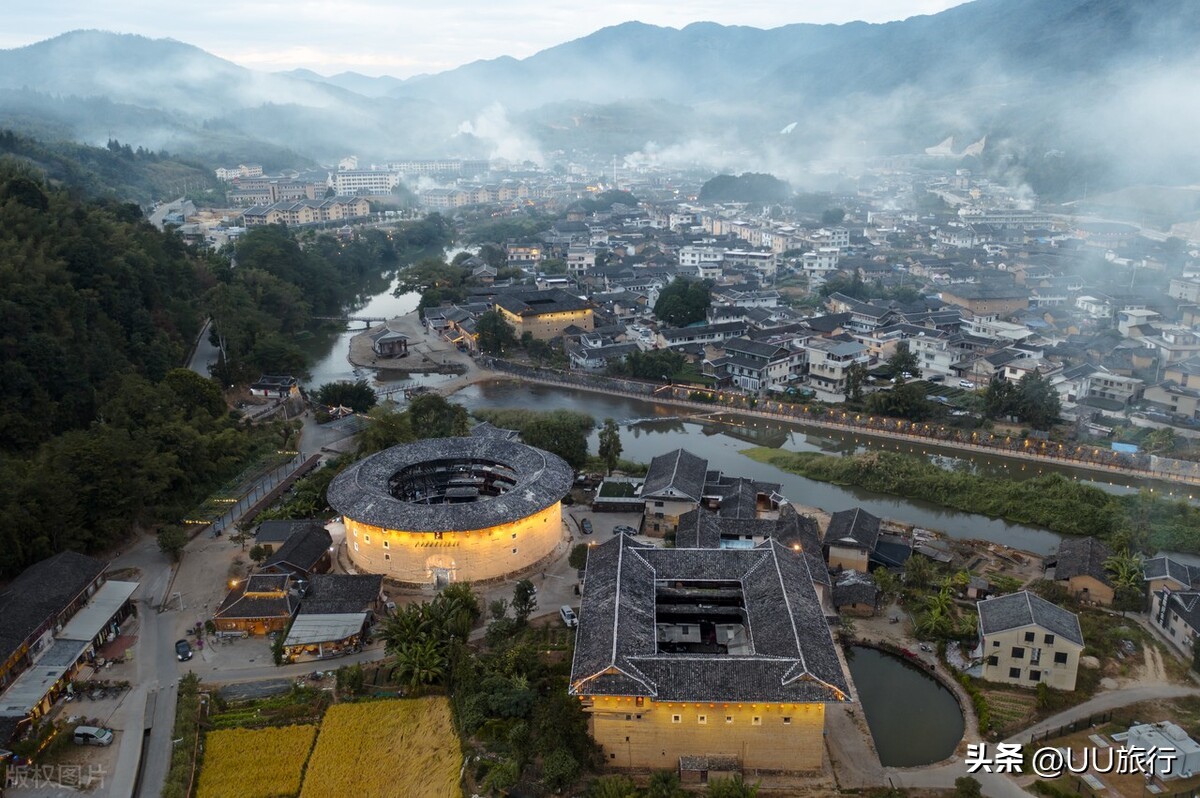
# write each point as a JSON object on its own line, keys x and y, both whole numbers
{"x": 72, "y": 642}
{"x": 311, "y": 630}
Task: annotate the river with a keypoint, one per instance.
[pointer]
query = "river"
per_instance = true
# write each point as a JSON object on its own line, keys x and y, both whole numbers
{"x": 649, "y": 429}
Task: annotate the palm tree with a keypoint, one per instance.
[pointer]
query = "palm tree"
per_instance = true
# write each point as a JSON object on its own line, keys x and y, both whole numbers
{"x": 420, "y": 663}
{"x": 1124, "y": 569}
{"x": 934, "y": 623}
{"x": 941, "y": 602}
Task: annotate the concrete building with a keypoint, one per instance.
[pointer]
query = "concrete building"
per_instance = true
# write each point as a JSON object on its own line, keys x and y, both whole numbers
{"x": 704, "y": 660}
{"x": 452, "y": 509}
{"x": 828, "y": 362}
{"x": 1025, "y": 640}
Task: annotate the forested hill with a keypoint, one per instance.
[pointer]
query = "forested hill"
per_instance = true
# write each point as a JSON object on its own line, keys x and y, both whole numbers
{"x": 118, "y": 171}
{"x": 100, "y": 428}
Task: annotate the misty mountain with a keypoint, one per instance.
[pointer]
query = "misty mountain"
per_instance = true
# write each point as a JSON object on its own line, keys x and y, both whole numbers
{"x": 365, "y": 85}
{"x": 1086, "y": 91}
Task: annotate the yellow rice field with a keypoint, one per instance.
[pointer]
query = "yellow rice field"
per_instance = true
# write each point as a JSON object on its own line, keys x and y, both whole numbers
{"x": 405, "y": 748}
{"x": 255, "y": 763}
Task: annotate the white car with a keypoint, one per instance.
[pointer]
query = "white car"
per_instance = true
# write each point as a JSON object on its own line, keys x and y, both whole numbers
{"x": 966, "y": 384}
{"x": 568, "y": 616}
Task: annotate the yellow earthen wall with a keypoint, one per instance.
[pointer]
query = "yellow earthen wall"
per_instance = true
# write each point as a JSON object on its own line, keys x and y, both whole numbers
{"x": 468, "y": 555}
{"x": 649, "y": 736}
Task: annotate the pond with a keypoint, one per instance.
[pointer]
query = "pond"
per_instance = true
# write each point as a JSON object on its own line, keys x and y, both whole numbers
{"x": 914, "y": 720}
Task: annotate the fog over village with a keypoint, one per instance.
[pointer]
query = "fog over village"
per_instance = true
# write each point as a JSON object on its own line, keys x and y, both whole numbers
{"x": 632, "y": 401}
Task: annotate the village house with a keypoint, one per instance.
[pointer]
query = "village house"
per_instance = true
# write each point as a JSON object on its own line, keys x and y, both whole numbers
{"x": 259, "y": 604}
{"x": 1079, "y": 567}
{"x": 54, "y": 617}
{"x": 1025, "y": 640}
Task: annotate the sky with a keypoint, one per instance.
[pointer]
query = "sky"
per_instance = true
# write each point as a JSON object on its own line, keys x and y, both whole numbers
{"x": 408, "y": 37}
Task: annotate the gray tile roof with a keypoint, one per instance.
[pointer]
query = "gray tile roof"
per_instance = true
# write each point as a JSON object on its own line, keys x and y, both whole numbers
{"x": 41, "y": 592}
{"x": 277, "y": 532}
{"x": 1167, "y": 568}
{"x": 260, "y": 596}
{"x": 363, "y": 493}
{"x": 616, "y": 653}
{"x": 853, "y": 528}
{"x": 677, "y": 475}
{"x": 303, "y": 550}
{"x": 854, "y": 587}
{"x": 1082, "y": 557}
{"x": 335, "y": 594}
{"x": 1026, "y": 609}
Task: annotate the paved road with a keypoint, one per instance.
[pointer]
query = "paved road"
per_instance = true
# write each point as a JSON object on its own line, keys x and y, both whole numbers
{"x": 206, "y": 354}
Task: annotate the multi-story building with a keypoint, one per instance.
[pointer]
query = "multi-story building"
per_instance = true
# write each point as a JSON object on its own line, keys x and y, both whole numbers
{"x": 705, "y": 661}
{"x": 580, "y": 260}
{"x": 752, "y": 365}
{"x": 302, "y": 212}
{"x": 353, "y": 182}
{"x": 1025, "y": 640}
{"x": 673, "y": 486}
{"x": 828, "y": 362}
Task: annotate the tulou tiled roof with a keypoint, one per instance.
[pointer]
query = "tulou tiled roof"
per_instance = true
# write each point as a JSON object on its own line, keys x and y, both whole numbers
{"x": 793, "y": 658}
{"x": 1016, "y": 610}
{"x": 362, "y": 490}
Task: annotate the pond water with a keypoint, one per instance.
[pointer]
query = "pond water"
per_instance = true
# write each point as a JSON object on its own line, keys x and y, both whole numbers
{"x": 914, "y": 720}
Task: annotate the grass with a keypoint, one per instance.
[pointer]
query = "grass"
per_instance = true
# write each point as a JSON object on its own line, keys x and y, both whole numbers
{"x": 622, "y": 490}
{"x": 1051, "y": 501}
{"x": 392, "y": 747}
{"x": 1010, "y": 710}
{"x": 255, "y": 763}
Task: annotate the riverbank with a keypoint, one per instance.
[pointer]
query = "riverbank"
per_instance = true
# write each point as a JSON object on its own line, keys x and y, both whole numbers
{"x": 1050, "y": 501}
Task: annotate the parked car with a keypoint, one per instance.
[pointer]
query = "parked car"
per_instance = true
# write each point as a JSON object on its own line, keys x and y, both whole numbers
{"x": 92, "y": 735}
{"x": 586, "y": 526}
{"x": 622, "y": 529}
{"x": 568, "y": 616}
{"x": 966, "y": 384}
{"x": 183, "y": 650}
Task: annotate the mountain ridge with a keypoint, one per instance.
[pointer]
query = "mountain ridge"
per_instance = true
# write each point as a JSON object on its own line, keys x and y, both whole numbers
{"x": 1094, "y": 79}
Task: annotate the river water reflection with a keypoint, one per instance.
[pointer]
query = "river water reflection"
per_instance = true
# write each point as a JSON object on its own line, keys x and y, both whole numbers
{"x": 649, "y": 429}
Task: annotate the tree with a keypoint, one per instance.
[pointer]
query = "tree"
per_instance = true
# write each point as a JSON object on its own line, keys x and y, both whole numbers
{"x": 683, "y": 302}
{"x": 1160, "y": 441}
{"x": 665, "y": 784}
{"x": 434, "y": 416}
{"x": 388, "y": 428}
{"x": 259, "y": 552}
{"x": 902, "y": 361}
{"x": 610, "y": 444}
{"x": 560, "y": 433}
{"x": 578, "y": 556}
{"x": 732, "y": 787}
{"x": 1196, "y": 654}
{"x": 856, "y": 375}
{"x": 358, "y": 396}
{"x": 496, "y": 335}
{"x": 1038, "y": 403}
{"x": 832, "y": 216}
{"x": 613, "y": 787}
{"x": 560, "y": 769}
{"x": 524, "y": 601}
{"x": 278, "y": 652}
{"x": 918, "y": 572}
{"x": 420, "y": 664}
{"x": 171, "y": 540}
{"x": 886, "y": 582}
{"x": 969, "y": 787}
